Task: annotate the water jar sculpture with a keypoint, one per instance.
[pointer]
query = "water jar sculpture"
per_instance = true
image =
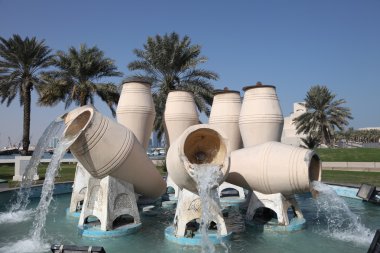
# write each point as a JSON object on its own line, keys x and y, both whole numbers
{"x": 225, "y": 112}
{"x": 135, "y": 109}
{"x": 180, "y": 113}
{"x": 105, "y": 148}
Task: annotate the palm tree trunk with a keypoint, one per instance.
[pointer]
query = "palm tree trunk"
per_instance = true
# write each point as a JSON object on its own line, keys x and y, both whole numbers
{"x": 26, "y": 123}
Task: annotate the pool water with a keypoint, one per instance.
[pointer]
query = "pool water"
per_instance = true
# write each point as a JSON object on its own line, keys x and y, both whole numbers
{"x": 14, "y": 232}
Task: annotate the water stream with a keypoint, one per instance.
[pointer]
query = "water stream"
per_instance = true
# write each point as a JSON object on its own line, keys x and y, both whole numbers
{"x": 207, "y": 176}
{"x": 48, "y": 187}
{"x": 22, "y": 197}
{"x": 342, "y": 223}
{"x": 36, "y": 240}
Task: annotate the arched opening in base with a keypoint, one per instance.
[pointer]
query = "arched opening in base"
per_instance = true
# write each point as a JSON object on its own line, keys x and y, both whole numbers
{"x": 229, "y": 192}
{"x": 170, "y": 190}
{"x": 92, "y": 221}
{"x": 123, "y": 220}
{"x": 79, "y": 206}
{"x": 263, "y": 215}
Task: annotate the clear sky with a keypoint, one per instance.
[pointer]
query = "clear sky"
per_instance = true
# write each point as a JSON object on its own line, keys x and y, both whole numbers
{"x": 292, "y": 44}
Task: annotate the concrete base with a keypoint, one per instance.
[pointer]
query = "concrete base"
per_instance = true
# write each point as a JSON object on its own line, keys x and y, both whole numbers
{"x": 107, "y": 199}
{"x": 277, "y": 203}
{"x": 196, "y": 240}
{"x": 225, "y": 186}
{"x": 189, "y": 208}
{"x": 95, "y": 231}
{"x": 79, "y": 188}
{"x": 296, "y": 224}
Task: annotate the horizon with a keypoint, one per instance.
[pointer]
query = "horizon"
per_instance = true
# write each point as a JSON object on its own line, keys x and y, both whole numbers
{"x": 293, "y": 45}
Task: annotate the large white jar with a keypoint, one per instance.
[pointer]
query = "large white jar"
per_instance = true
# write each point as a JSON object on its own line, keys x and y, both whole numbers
{"x": 225, "y": 113}
{"x": 274, "y": 167}
{"x": 180, "y": 113}
{"x": 106, "y": 148}
{"x": 135, "y": 109}
{"x": 261, "y": 118}
{"x": 198, "y": 144}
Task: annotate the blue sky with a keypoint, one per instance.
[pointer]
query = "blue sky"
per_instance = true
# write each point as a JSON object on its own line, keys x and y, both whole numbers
{"x": 292, "y": 44}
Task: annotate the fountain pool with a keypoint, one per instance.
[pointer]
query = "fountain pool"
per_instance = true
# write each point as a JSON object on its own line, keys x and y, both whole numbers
{"x": 60, "y": 229}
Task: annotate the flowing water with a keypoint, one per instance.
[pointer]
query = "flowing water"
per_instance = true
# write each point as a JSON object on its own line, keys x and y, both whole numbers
{"x": 22, "y": 197}
{"x": 342, "y": 223}
{"x": 36, "y": 239}
{"x": 48, "y": 187}
{"x": 207, "y": 176}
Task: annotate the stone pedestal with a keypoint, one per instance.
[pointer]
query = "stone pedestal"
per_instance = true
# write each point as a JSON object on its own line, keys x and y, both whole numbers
{"x": 226, "y": 185}
{"x": 189, "y": 208}
{"x": 276, "y": 202}
{"x": 108, "y": 199}
{"x": 79, "y": 188}
{"x": 21, "y": 162}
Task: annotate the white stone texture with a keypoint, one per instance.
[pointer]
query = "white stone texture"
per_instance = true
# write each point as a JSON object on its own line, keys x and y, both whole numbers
{"x": 79, "y": 187}
{"x": 276, "y": 202}
{"x": 107, "y": 199}
{"x": 226, "y": 185}
{"x": 170, "y": 182}
{"x": 189, "y": 208}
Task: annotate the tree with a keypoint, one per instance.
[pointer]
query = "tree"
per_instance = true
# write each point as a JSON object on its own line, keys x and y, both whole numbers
{"x": 324, "y": 114}
{"x": 310, "y": 142}
{"x": 170, "y": 63}
{"x": 21, "y": 61}
{"x": 77, "y": 79}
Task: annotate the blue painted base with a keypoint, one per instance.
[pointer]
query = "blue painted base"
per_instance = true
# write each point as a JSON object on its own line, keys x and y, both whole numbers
{"x": 296, "y": 224}
{"x": 94, "y": 231}
{"x": 231, "y": 201}
{"x": 72, "y": 214}
{"x": 169, "y": 204}
{"x": 196, "y": 240}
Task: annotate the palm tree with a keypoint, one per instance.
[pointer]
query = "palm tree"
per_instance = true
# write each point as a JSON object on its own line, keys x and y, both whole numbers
{"x": 21, "y": 61}
{"x": 324, "y": 114}
{"x": 77, "y": 79}
{"x": 310, "y": 142}
{"x": 170, "y": 63}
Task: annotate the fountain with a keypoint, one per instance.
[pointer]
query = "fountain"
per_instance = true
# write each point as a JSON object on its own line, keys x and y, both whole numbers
{"x": 200, "y": 159}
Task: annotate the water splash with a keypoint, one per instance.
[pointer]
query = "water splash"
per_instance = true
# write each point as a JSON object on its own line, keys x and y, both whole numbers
{"x": 22, "y": 197}
{"x": 26, "y": 245}
{"x": 16, "y": 216}
{"x": 207, "y": 177}
{"x": 342, "y": 224}
{"x": 48, "y": 187}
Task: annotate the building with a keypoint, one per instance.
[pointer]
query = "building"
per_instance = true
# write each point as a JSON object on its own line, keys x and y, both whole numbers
{"x": 289, "y": 132}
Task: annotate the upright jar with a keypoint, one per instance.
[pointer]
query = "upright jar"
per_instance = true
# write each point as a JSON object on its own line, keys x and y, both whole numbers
{"x": 135, "y": 109}
{"x": 261, "y": 118}
{"x": 225, "y": 113}
{"x": 180, "y": 113}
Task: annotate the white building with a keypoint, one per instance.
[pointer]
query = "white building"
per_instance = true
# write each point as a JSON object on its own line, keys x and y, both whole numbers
{"x": 289, "y": 132}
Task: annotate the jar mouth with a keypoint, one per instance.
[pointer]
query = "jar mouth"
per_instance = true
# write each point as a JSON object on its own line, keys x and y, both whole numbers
{"x": 79, "y": 122}
{"x": 136, "y": 80}
{"x": 216, "y": 92}
{"x": 258, "y": 86}
{"x": 205, "y": 145}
